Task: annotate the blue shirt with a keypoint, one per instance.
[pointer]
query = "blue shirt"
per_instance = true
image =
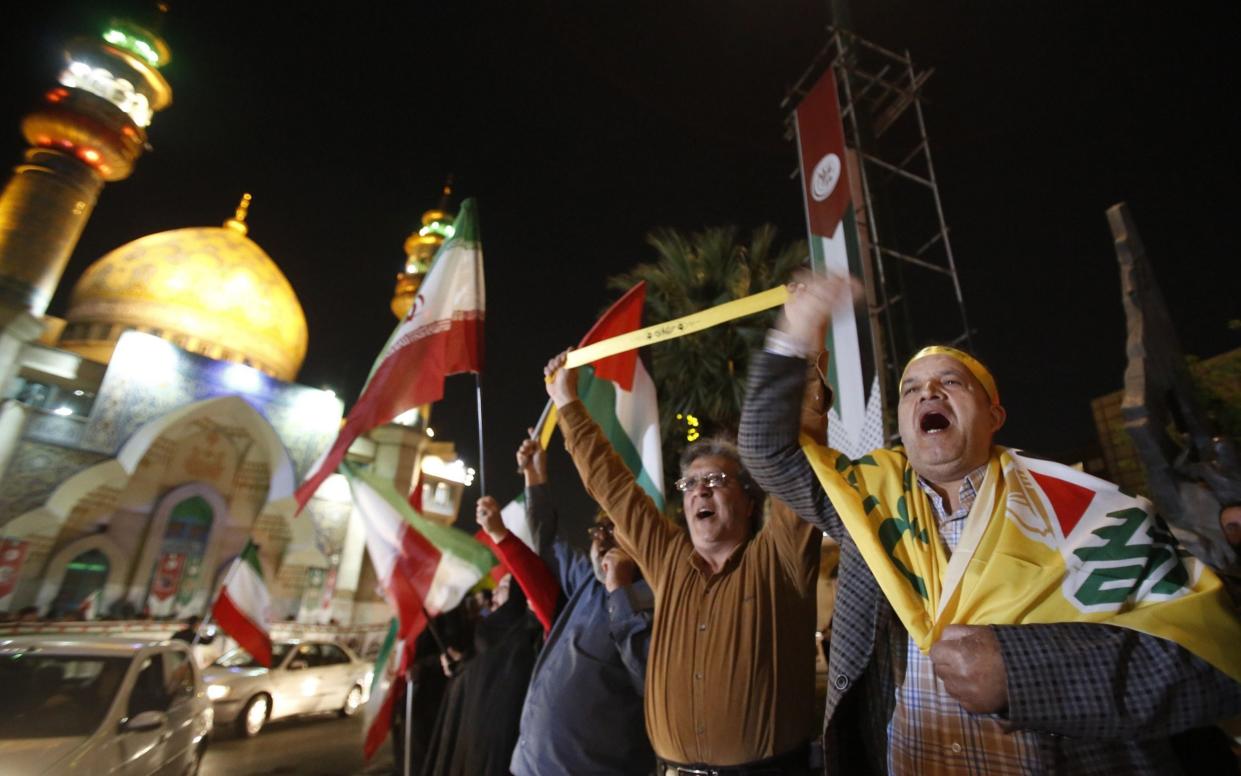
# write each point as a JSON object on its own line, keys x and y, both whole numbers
{"x": 583, "y": 711}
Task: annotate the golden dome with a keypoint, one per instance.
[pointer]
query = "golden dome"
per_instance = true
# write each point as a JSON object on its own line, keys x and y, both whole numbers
{"x": 209, "y": 290}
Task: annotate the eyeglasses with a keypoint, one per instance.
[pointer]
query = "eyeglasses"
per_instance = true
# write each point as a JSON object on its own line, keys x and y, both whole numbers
{"x": 713, "y": 480}
{"x": 600, "y": 533}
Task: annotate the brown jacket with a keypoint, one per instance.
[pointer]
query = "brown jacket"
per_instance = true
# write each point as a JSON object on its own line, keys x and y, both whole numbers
{"x": 730, "y": 675}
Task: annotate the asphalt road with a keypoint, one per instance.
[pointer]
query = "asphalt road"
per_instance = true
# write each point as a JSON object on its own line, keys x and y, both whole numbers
{"x": 321, "y": 745}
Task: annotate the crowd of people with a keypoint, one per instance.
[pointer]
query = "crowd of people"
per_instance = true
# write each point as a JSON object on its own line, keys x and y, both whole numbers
{"x": 690, "y": 649}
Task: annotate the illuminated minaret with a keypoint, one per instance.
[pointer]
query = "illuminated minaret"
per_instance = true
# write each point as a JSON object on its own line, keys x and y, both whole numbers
{"x": 89, "y": 128}
{"x": 420, "y": 248}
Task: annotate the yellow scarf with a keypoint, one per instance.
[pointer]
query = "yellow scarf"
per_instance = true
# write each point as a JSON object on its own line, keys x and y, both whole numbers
{"x": 1043, "y": 543}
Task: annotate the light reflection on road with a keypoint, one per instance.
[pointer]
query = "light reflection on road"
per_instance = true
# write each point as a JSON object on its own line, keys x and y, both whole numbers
{"x": 321, "y": 745}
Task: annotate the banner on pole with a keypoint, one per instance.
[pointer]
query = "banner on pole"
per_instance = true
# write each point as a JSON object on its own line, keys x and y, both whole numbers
{"x": 855, "y": 420}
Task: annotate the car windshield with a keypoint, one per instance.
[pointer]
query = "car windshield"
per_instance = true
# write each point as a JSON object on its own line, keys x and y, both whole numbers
{"x": 46, "y": 696}
{"x": 239, "y": 658}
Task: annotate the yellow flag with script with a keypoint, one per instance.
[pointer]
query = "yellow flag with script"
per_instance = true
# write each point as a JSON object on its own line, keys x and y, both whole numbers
{"x": 1043, "y": 543}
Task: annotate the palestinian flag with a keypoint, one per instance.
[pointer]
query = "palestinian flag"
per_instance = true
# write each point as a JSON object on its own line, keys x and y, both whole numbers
{"x": 620, "y": 396}
{"x": 390, "y": 667}
{"x": 442, "y": 335}
{"x": 243, "y": 605}
{"x": 421, "y": 564}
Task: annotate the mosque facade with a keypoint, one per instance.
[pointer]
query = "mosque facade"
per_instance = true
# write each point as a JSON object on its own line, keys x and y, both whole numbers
{"x": 157, "y": 426}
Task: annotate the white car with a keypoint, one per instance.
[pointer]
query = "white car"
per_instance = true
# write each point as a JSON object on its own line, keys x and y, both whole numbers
{"x": 100, "y": 706}
{"x": 305, "y": 677}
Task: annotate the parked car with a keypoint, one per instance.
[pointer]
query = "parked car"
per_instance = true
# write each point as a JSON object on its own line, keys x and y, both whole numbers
{"x": 100, "y": 706}
{"x": 305, "y": 677}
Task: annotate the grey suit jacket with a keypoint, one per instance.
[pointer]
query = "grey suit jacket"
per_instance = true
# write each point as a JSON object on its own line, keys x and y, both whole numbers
{"x": 1104, "y": 699}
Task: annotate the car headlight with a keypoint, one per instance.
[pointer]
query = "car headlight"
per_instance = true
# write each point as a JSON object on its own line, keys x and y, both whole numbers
{"x": 218, "y": 691}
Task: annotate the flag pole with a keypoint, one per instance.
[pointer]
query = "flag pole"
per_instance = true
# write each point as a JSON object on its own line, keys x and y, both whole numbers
{"x": 435, "y": 634}
{"x": 482, "y": 456}
{"x": 409, "y": 722}
{"x": 538, "y": 427}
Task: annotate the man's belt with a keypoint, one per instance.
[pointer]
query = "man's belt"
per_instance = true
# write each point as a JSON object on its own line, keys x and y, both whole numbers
{"x": 796, "y": 761}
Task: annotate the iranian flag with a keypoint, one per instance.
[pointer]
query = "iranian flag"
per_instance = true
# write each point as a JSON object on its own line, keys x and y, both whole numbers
{"x": 619, "y": 394}
{"x": 390, "y": 667}
{"x": 419, "y": 563}
{"x": 243, "y": 604}
{"x": 424, "y": 568}
{"x": 442, "y": 335}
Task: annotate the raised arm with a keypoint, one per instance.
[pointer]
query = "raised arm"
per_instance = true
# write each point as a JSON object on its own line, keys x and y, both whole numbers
{"x": 771, "y": 419}
{"x": 768, "y": 440}
{"x": 630, "y": 610}
{"x": 528, "y": 569}
{"x": 571, "y": 568}
{"x": 540, "y": 517}
{"x": 640, "y": 528}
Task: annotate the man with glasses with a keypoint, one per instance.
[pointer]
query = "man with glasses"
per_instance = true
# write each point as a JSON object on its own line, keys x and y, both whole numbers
{"x": 583, "y": 710}
{"x": 730, "y": 685}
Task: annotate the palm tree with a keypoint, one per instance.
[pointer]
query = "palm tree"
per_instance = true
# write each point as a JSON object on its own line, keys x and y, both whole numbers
{"x": 702, "y": 376}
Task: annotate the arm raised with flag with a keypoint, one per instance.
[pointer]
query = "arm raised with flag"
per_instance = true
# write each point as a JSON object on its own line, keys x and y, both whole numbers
{"x": 528, "y": 569}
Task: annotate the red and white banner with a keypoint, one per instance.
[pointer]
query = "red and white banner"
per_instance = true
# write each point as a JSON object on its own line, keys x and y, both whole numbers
{"x": 167, "y": 575}
{"x": 329, "y": 589}
{"x": 12, "y": 556}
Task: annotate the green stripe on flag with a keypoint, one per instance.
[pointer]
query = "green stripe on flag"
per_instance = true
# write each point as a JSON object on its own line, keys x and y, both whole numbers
{"x": 250, "y": 556}
{"x": 381, "y": 660}
{"x": 599, "y": 398}
{"x": 465, "y": 225}
{"x": 448, "y": 540}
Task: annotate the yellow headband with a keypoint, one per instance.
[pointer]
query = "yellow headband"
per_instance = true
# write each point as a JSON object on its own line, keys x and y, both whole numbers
{"x": 975, "y": 366}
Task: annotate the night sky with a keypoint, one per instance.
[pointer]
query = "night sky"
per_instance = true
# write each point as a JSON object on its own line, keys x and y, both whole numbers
{"x": 580, "y": 126}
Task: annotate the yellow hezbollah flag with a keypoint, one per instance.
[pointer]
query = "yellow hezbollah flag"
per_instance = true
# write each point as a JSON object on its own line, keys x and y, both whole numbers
{"x": 1044, "y": 543}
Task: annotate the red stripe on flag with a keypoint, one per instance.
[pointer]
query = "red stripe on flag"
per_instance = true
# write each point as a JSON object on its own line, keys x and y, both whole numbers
{"x": 242, "y": 629}
{"x": 382, "y": 723}
{"x": 820, "y": 134}
{"x": 412, "y": 376}
{"x": 622, "y": 317}
{"x": 411, "y": 578}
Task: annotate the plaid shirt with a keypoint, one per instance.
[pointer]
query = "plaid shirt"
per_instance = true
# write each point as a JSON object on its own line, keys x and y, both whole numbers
{"x": 1098, "y": 699}
{"x": 929, "y": 731}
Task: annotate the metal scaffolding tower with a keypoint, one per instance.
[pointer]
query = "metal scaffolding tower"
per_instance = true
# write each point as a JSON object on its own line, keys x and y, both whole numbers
{"x": 910, "y": 272}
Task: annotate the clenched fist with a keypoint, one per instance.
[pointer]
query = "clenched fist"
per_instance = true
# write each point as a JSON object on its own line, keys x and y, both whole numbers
{"x": 968, "y": 661}
{"x": 618, "y": 569}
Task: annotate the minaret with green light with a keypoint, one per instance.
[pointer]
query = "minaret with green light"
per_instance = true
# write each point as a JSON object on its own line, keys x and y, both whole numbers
{"x": 90, "y": 128}
{"x": 420, "y": 248}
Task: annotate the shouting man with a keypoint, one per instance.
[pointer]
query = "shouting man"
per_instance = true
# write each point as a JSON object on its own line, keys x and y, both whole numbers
{"x": 995, "y": 613}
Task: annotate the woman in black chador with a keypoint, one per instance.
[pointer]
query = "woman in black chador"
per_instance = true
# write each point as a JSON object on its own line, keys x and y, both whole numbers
{"x": 478, "y": 720}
